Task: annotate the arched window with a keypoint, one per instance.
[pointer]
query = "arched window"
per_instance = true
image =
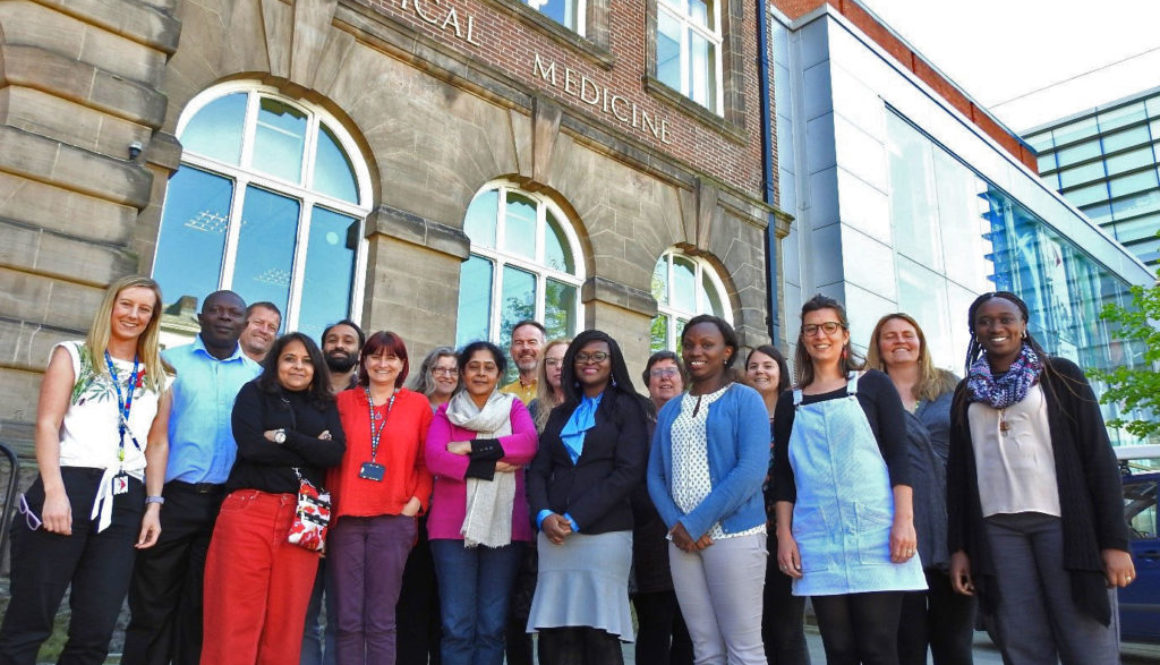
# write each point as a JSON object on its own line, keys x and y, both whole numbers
{"x": 525, "y": 263}
{"x": 269, "y": 201}
{"x": 684, "y": 287}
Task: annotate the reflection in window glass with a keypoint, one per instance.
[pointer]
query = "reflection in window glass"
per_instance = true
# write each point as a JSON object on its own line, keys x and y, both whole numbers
{"x": 328, "y": 282}
{"x": 193, "y": 234}
{"x": 702, "y": 69}
{"x": 1081, "y": 174}
{"x": 669, "y": 50}
{"x": 280, "y": 140}
{"x": 559, "y": 309}
{"x": 333, "y": 170}
{"x": 1079, "y": 153}
{"x": 914, "y": 208}
{"x": 1140, "y": 509}
{"x": 265, "y": 230}
{"x": 517, "y": 299}
{"x": 216, "y": 131}
{"x": 1075, "y": 131}
{"x": 922, "y": 294}
{"x": 472, "y": 320}
{"x": 520, "y": 226}
{"x": 961, "y": 210}
{"x": 1098, "y": 212}
{"x": 1124, "y": 115}
{"x": 556, "y": 256}
{"x": 265, "y": 258}
{"x": 1087, "y": 195}
{"x": 532, "y": 279}
{"x": 683, "y": 287}
{"x": 1130, "y": 184}
{"x": 565, "y": 12}
{"x": 1125, "y": 139}
{"x": 479, "y": 224}
{"x": 684, "y": 291}
{"x": 1137, "y": 204}
{"x": 1132, "y": 159}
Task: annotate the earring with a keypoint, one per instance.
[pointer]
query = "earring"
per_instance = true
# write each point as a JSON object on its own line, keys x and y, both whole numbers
{"x": 1024, "y": 334}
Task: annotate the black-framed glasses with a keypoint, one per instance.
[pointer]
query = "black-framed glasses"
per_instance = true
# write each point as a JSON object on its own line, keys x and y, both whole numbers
{"x": 829, "y": 327}
{"x": 586, "y": 358}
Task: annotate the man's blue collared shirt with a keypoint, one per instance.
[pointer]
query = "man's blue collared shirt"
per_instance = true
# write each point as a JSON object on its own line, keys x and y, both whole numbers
{"x": 201, "y": 439}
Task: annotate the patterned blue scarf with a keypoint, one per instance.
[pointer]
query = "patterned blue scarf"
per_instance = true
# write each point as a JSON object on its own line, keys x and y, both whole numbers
{"x": 1008, "y": 389}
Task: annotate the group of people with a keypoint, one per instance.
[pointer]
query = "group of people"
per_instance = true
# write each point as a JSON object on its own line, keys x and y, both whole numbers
{"x": 466, "y": 515}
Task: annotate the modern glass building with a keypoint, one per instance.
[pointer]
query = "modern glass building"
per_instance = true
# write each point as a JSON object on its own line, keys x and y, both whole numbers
{"x": 1104, "y": 161}
{"x": 903, "y": 202}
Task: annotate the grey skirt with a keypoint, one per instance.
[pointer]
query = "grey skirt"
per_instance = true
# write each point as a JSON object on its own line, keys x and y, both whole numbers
{"x": 584, "y": 583}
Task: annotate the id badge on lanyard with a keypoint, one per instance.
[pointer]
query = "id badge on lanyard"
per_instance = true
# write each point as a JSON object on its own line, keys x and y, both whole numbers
{"x": 124, "y": 406}
{"x": 372, "y": 470}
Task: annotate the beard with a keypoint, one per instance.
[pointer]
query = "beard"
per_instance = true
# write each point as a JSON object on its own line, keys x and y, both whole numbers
{"x": 340, "y": 362}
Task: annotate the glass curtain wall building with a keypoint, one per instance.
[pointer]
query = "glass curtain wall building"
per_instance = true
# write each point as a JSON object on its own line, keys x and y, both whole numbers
{"x": 903, "y": 204}
{"x": 1104, "y": 161}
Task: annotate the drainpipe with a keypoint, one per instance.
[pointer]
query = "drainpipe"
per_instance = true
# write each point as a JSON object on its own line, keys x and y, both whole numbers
{"x": 767, "y": 137}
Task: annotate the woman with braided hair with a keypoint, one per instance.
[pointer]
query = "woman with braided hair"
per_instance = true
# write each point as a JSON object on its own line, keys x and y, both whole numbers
{"x": 1035, "y": 520}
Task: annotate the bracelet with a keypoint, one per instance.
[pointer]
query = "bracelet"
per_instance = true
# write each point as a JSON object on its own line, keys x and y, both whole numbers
{"x": 159, "y": 500}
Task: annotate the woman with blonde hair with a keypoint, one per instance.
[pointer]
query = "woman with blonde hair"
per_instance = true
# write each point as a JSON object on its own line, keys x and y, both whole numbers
{"x": 937, "y": 617}
{"x": 101, "y": 449}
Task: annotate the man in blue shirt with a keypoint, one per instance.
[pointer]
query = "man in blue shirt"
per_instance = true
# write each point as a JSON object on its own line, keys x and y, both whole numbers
{"x": 166, "y": 594}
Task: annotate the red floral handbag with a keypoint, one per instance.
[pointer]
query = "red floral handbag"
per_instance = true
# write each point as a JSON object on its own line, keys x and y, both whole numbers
{"x": 312, "y": 519}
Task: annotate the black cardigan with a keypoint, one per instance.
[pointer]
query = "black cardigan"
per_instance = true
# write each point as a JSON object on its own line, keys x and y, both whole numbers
{"x": 595, "y": 490}
{"x": 1090, "y": 496}
{"x": 268, "y": 466}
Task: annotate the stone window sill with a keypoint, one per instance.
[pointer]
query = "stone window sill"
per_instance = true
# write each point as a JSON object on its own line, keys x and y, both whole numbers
{"x": 675, "y": 98}
{"x": 598, "y": 54}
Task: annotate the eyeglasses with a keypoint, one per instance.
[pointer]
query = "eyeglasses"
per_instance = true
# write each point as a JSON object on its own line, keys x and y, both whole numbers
{"x": 663, "y": 372}
{"x": 443, "y": 371}
{"x": 553, "y": 362}
{"x": 586, "y": 358}
{"x": 30, "y": 517}
{"x": 829, "y": 327}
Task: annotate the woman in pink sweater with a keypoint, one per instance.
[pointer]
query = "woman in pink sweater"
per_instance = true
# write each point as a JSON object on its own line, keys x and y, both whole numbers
{"x": 478, "y": 524}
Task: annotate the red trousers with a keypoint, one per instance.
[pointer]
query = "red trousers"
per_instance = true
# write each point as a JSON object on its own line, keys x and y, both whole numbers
{"x": 257, "y": 585}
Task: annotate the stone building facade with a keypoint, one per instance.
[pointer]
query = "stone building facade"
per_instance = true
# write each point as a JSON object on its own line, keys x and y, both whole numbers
{"x": 617, "y": 157}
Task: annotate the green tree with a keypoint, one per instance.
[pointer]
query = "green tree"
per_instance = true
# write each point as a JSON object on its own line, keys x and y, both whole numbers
{"x": 1136, "y": 388}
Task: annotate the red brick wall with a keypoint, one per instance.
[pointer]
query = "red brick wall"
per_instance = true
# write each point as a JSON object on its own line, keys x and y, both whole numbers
{"x": 509, "y": 44}
{"x": 946, "y": 88}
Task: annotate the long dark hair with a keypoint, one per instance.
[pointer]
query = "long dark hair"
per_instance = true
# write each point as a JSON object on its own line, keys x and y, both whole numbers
{"x": 851, "y": 360}
{"x": 319, "y": 389}
{"x": 783, "y": 381}
{"x": 619, "y": 382}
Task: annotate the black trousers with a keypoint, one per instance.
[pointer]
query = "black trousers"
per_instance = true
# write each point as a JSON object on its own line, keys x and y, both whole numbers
{"x": 97, "y": 565}
{"x": 579, "y": 646}
{"x": 661, "y": 635}
{"x": 940, "y": 618}
{"x": 860, "y": 628}
{"x": 165, "y": 596}
{"x": 517, "y": 639}
{"x": 417, "y": 616}
{"x": 783, "y": 618}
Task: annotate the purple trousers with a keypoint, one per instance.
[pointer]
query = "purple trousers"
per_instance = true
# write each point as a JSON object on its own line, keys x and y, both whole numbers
{"x": 366, "y": 557}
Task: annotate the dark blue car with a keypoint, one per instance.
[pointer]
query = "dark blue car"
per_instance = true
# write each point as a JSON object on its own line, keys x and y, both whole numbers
{"x": 1140, "y": 601}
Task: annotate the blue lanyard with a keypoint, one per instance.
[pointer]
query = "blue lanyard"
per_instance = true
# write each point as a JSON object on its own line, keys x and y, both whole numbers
{"x": 376, "y": 434}
{"x": 124, "y": 404}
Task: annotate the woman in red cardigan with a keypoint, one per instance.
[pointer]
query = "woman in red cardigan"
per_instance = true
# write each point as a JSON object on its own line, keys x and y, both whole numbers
{"x": 378, "y": 490}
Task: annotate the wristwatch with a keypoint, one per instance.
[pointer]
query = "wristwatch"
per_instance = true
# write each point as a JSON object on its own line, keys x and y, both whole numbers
{"x": 280, "y": 436}
{"x": 159, "y": 500}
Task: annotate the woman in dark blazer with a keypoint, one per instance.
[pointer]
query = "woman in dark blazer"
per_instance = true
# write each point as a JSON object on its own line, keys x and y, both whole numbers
{"x": 592, "y": 456}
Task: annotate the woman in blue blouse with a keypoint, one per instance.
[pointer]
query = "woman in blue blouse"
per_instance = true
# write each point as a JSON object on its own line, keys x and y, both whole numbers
{"x": 709, "y": 455}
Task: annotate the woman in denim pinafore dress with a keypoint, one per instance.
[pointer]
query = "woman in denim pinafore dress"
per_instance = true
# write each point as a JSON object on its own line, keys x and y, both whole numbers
{"x": 845, "y": 514}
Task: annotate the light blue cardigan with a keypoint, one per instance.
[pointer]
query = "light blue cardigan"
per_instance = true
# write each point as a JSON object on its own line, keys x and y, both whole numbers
{"x": 738, "y": 448}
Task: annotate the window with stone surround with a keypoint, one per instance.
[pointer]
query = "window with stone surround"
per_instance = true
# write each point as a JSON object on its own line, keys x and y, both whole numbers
{"x": 525, "y": 263}
{"x": 684, "y": 286}
{"x": 688, "y": 49}
{"x": 269, "y": 201}
{"x": 568, "y": 13}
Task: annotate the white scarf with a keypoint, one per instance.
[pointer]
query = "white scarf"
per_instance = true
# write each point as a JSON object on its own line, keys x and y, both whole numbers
{"x": 488, "y": 519}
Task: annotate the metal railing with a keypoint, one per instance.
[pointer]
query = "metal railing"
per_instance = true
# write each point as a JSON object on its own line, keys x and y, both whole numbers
{"x": 9, "y": 496}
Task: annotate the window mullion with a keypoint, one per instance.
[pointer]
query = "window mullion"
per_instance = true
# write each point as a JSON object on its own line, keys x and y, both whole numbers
{"x": 493, "y": 316}
{"x": 233, "y": 232}
{"x": 298, "y": 271}
{"x": 249, "y": 130}
{"x": 309, "y": 148}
